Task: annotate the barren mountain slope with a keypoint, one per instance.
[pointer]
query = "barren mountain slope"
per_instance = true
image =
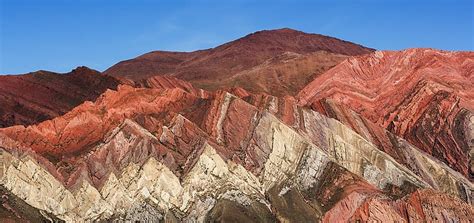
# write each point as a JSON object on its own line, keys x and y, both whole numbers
{"x": 278, "y": 62}
{"x": 382, "y": 137}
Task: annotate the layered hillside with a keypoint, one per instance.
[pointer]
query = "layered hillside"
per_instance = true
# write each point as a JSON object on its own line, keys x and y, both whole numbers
{"x": 383, "y": 136}
{"x": 422, "y": 95}
{"x": 278, "y": 62}
{"x": 177, "y": 154}
{"x": 38, "y": 96}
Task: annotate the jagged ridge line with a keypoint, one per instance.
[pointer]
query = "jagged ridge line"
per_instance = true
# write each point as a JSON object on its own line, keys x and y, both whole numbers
{"x": 109, "y": 179}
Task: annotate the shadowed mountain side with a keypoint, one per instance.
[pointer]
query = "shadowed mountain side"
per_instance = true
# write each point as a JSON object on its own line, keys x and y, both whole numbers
{"x": 38, "y": 96}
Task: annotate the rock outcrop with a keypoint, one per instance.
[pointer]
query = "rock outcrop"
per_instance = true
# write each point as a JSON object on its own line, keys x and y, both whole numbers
{"x": 422, "y": 95}
{"x": 381, "y": 137}
{"x": 187, "y": 155}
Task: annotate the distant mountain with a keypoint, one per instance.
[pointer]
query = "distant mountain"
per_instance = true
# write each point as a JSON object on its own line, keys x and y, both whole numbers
{"x": 42, "y": 95}
{"x": 278, "y": 62}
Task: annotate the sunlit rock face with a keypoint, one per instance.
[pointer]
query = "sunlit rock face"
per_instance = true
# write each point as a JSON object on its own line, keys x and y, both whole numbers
{"x": 422, "y": 95}
{"x": 178, "y": 154}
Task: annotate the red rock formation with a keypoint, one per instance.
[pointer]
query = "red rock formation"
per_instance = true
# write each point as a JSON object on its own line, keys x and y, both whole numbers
{"x": 168, "y": 82}
{"x": 423, "y": 95}
{"x": 419, "y": 206}
{"x": 278, "y": 62}
{"x": 157, "y": 148}
{"x": 71, "y": 134}
{"x": 347, "y": 198}
{"x": 173, "y": 126}
{"x": 39, "y": 96}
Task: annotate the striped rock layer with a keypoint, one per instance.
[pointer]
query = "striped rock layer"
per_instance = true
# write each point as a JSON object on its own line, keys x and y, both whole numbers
{"x": 38, "y": 96}
{"x": 186, "y": 155}
{"x": 425, "y": 96}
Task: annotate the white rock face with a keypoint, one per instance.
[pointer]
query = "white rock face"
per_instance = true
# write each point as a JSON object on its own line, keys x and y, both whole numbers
{"x": 287, "y": 149}
{"x": 37, "y": 187}
{"x": 311, "y": 168}
{"x": 359, "y": 156}
{"x": 211, "y": 178}
{"x": 223, "y": 112}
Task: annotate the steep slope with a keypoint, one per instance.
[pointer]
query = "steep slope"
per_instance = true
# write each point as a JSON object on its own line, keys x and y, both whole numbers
{"x": 39, "y": 96}
{"x": 422, "y": 95}
{"x": 278, "y": 62}
{"x": 192, "y": 155}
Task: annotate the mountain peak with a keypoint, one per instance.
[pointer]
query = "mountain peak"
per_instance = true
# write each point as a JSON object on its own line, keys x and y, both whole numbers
{"x": 280, "y": 30}
{"x": 84, "y": 70}
{"x": 291, "y": 38}
{"x": 244, "y": 62}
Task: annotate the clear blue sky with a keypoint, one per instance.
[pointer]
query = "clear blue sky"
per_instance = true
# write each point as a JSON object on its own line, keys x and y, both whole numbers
{"x": 60, "y": 35}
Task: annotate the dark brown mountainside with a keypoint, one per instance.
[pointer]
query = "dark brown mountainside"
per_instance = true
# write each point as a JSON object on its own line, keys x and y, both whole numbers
{"x": 279, "y": 62}
{"x": 42, "y": 95}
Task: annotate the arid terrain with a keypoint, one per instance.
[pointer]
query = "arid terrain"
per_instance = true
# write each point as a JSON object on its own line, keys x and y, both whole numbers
{"x": 277, "y": 126}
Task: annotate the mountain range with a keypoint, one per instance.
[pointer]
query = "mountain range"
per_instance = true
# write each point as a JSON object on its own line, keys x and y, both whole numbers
{"x": 277, "y": 126}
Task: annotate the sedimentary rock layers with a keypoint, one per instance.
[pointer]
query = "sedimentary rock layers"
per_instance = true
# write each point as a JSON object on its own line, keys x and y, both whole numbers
{"x": 72, "y": 132}
{"x": 39, "y": 96}
{"x": 379, "y": 136}
{"x": 176, "y": 155}
{"x": 424, "y": 96}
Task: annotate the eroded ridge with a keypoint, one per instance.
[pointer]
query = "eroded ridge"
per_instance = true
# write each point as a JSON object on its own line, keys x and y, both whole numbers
{"x": 175, "y": 155}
